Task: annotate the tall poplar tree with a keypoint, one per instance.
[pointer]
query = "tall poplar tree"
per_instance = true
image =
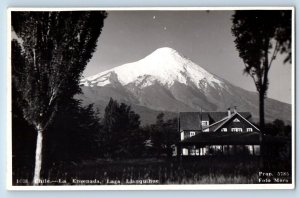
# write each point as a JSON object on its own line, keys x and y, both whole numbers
{"x": 48, "y": 58}
{"x": 259, "y": 36}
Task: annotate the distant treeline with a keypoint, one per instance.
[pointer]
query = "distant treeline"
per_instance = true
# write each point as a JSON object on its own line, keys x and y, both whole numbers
{"x": 278, "y": 128}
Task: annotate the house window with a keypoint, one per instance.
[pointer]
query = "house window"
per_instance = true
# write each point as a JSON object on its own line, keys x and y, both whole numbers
{"x": 249, "y": 129}
{"x": 205, "y": 123}
{"x": 256, "y": 149}
{"x": 192, "y": 152}
{"x": 182, "y": 136}
{"x": 203, "y": 151}
{"x": 174, "y": 150}
{"x": 192, "y": 133}
{"x": 236, "y": 120}
{"x": 185, "y": 151}
{"x": 236, "y": 129}
{"x": 224, "y": 130}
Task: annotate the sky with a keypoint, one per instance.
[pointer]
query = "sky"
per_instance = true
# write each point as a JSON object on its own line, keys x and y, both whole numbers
{"x": 202, "y": 36}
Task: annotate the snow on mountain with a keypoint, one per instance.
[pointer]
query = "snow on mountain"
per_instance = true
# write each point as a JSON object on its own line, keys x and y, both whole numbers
{"x": 166, "y": 81}
{"x": 164, "y": 65}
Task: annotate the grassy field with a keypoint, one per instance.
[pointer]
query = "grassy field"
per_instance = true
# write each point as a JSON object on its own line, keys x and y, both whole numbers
{"x": 186, "y": 171}
{"x": 209, "y": 170}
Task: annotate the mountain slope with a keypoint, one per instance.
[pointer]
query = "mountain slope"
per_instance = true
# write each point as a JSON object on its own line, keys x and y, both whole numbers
{"x": 164, "y": 65}
{"x": 167, "y": 81}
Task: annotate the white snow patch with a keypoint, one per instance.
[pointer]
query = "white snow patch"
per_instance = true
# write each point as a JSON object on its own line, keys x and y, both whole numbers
{"x": 164, "y": 65}
{"x": 101, "y": 84}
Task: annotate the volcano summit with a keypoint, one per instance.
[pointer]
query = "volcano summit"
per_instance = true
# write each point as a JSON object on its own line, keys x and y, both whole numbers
{"x": 166, "y": 81}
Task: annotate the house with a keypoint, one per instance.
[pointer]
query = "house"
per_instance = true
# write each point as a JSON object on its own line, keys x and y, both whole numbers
{"x": 217, "y": 133}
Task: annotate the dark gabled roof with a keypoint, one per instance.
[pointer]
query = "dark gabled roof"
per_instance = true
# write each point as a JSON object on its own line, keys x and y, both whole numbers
{"x": 217, "y": 125}
{"x": 192, "y": 120}
{"x": 231, "y": 118}
{"x": 216, "y": 116}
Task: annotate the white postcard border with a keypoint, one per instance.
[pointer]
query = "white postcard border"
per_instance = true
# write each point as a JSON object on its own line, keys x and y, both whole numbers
{"x": 9, "y": 185}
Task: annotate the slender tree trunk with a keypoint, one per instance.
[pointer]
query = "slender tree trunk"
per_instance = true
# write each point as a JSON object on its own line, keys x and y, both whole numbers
{"x": 262, "y": 110}
{"x": 262, "y": 126}
{"x": 38, "y": 155}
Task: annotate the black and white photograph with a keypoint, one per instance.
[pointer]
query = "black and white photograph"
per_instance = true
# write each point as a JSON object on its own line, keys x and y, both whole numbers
{"x": 151, "y": 98}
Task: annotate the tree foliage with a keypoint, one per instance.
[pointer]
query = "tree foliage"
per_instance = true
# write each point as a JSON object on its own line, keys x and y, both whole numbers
{"x": 163, "y": 134}
{"x": 74, "y": 134}
{"x": 277, "y": 128}
{"x": 122, "y": 137}
{"x": 54, "y": 50}
{"x": 259, "y": 36}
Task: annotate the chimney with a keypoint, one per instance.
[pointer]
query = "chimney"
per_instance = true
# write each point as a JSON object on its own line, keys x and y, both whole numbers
{"x": 234, "y": 110}
{"x": 229, "y": 112}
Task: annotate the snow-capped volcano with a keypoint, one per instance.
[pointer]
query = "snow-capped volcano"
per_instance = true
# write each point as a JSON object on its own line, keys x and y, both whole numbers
{"x": 167, "y": 81}
{"x": 165, "y": 65}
